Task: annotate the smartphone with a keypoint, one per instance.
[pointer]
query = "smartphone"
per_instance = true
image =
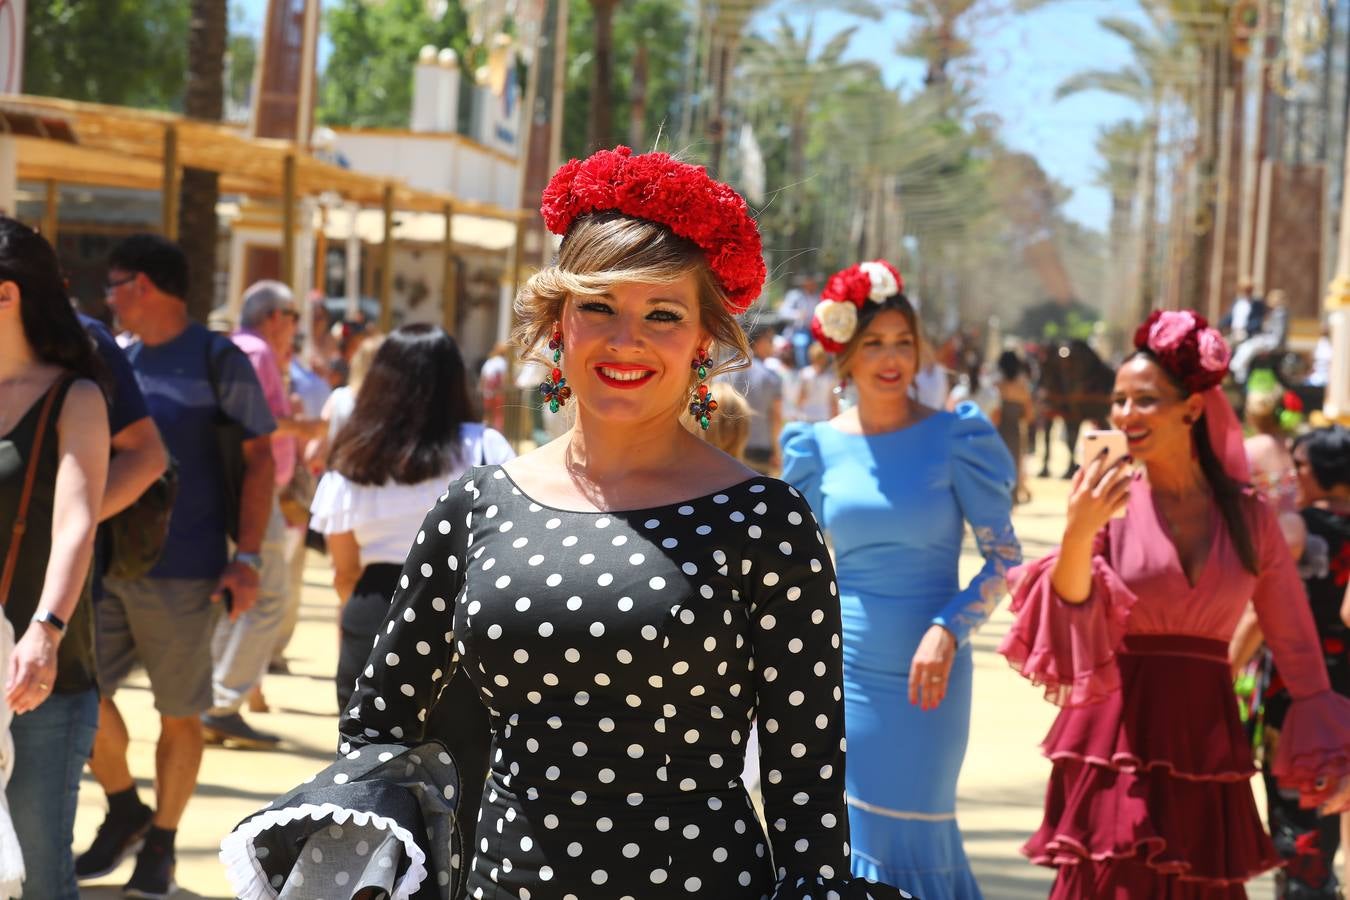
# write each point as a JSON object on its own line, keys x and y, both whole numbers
{"x": 1117, "y": 447}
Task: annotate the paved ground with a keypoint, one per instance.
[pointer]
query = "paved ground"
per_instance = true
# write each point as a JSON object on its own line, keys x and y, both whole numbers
{"x": 1001, "y": 788}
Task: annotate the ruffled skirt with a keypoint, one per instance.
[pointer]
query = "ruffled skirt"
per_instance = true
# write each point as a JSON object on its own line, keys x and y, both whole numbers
{"x": 1150, "y": 793}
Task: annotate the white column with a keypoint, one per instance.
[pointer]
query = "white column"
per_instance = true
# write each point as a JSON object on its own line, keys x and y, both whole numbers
{"x": 353, "y": 262}
{"x": 9, "y": 175}
{"x": 1337, "y": 402}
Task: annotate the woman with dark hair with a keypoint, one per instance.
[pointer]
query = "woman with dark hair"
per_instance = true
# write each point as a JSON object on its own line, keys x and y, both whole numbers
{"x": 412, "y": 431}
{"x": 1306, "y": 841}
{"x": 54, "y": 427}
{"x": 625, "y": 600}
{"x": 895, "y": 483}
{"x": 1127, "y": 626}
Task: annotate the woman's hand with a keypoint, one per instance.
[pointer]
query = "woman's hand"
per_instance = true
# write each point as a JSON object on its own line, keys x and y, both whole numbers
{"x": 1097, "y": 492}
{"x": 32, "y": 669}
{"x": 931, "y": 668}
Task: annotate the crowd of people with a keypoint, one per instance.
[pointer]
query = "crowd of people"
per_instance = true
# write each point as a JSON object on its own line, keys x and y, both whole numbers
{"x": 563, "y": 679}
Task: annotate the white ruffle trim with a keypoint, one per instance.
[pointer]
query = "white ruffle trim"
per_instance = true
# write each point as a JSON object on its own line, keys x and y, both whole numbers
{"x": 247, "y": 878}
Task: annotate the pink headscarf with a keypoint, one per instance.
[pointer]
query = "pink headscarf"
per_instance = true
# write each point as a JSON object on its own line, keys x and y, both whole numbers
{"x": 1197, "y": 356}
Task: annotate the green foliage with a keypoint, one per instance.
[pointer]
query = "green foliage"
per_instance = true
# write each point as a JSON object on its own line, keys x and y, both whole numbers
{"x": 663, "y": 27}
{"x": 126, "y": 52}
{"x": 242, "y": 52}
{"x": 368, "y": 79}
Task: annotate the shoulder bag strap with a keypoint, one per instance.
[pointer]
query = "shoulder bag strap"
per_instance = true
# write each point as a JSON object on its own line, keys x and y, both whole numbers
{"x": 30, "y": 475}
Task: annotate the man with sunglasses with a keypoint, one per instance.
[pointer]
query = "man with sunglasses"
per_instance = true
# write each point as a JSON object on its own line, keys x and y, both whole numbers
{"x": 191, "y": 380}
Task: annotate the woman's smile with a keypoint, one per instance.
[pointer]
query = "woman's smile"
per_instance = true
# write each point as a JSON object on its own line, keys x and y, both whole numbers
{"x": 624, "y": 376}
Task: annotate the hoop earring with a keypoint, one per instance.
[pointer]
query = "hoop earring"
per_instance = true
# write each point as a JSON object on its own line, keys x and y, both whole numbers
{"x": 703, "y": 405}
{"x": 556, "y": 390}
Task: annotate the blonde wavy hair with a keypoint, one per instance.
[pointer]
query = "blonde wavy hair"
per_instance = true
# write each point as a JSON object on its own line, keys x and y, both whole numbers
{"x": 605, "y": 249}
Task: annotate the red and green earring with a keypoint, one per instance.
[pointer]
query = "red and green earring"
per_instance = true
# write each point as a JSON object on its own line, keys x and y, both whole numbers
{"x": 703, "y": 405}
{"x": 556, "y": 390}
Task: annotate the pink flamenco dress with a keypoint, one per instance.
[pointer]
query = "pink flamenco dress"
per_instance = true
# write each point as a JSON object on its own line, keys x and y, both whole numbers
{"x": 1149, "y": 795}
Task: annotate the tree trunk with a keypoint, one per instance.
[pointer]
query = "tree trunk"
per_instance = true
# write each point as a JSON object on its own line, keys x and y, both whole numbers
{"x": 602, "y": 75}
{"x": 1146, "y": 297}
{"x": 723, "y": 51}
{"x": 637, "y": 109}
{"x": 198, "y": 227}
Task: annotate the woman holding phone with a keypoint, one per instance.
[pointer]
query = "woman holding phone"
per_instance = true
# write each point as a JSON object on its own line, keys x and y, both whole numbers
{"x": 1126, "y": 626}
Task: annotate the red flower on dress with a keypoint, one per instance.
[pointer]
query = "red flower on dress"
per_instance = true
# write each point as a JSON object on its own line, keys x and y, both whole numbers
{"x": 1185, "y": 345}
{"x": 680, "y": 196}
{"x": 1340, "y": 566}
{"x": 1291, "y": 402}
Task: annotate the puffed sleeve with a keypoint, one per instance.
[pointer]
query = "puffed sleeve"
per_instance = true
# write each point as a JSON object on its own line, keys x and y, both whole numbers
{"x": 414, "y": 656}
{"x": 333, "y": 509}
{"x": 983, "y": 477}
{"x": 801, "y": 461}
{"x": 788, "y": 579}
{"x": 1069, "y": 648}
{"x": 1313, "y": 754}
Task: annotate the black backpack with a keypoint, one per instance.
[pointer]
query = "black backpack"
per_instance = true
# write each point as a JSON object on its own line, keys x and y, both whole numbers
{"x": 229, "y": 439}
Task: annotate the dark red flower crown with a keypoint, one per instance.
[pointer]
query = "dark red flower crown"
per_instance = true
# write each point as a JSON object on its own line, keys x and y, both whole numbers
{"x": 1185, "y": 345}
{"x": 680, "y": 196}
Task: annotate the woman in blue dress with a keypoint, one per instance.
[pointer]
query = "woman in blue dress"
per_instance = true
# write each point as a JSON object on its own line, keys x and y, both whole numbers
{"x": 893, "y": 483}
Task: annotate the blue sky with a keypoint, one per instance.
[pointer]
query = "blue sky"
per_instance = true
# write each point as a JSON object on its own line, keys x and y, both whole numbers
{"x": 1022, "y": 58}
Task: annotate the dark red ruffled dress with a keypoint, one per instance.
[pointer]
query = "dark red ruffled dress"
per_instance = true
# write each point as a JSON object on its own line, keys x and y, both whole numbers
{"x": 1150, "y": 791}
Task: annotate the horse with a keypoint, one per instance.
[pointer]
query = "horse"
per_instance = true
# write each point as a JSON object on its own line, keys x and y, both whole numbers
{"x": 1074, "y": 385}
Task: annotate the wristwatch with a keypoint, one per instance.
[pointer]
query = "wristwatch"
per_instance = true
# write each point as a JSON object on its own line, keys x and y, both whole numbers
{"x": 252, "y": 560}
{"x": 46, "y": 617}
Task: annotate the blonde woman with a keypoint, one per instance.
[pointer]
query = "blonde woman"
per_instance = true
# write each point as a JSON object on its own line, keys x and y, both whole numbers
{"x": 624, "y": 599}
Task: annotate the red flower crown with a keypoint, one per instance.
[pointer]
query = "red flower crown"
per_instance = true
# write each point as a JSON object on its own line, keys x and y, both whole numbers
{"x": 836, "y": 317}
{"x": 680, "y": 196}
{"x": 1185, "y": 345}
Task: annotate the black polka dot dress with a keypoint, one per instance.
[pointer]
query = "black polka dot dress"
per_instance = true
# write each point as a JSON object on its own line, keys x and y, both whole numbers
{"x": 622, "y": 658}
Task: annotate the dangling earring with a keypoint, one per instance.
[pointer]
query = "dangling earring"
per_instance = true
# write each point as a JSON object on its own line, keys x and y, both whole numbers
{"x": 703, "y": 405}
{"x": 556, "y": 390}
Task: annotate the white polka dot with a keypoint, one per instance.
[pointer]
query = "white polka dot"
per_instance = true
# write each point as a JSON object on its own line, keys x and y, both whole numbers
{"x": 651, "y": 523}
{"x": 546, "y": 872}
{"x": 503, "y": 581}
{"x": 770, "y": 579}
{"x": 692, "y": 884}
{"x": 545, "y": 629}
{"x": 658, "y": 876}
{"x": 522, "y": 604}
{"x": 605, "y": 579}
{"x": 553, "y": 580}
{"x": 391, "y": 659}
{"x": 597, "y": 629}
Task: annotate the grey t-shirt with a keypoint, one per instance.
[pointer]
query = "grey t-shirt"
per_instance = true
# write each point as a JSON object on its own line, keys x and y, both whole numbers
{"x": 760, "y": 386}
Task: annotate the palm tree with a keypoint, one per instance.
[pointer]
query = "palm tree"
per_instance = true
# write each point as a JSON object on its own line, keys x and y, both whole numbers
{"x": 1159, "y": 60}
{"x": 1123, "y": 148}
{"x": 785, "y": 70}
{"x": 204, "y": 99}
{"x": 602, "y": 75}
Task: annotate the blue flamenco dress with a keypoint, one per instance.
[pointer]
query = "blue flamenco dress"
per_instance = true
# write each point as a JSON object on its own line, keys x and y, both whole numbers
{"x": 895, "y": 505}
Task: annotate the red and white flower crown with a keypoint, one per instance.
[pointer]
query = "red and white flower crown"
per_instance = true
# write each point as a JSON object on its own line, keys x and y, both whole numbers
{"x": 836, "y": 316}
{"x": 680, "y": 196}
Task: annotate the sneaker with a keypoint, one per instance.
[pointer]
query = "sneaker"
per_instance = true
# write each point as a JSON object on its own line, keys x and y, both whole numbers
{"x": 153, "y": 878}
{"x": 118, "y": 837}
{"x": 233, "y": 731}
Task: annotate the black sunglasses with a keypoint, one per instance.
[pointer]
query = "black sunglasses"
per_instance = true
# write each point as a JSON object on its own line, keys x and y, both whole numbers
{"x": 110, "y": 286}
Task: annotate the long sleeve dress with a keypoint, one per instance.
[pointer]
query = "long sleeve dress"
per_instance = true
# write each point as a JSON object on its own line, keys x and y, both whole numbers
{"x": 895, "y": 506}
{"x": 1149, "y": 794}
{"x": 621, "y": 657}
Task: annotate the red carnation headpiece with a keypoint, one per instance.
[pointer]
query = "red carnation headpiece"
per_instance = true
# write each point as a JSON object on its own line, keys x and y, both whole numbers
{"x": 836, "y": 316}
{"x": 680, "y": 196}
{"x": 1185, "y": 345}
